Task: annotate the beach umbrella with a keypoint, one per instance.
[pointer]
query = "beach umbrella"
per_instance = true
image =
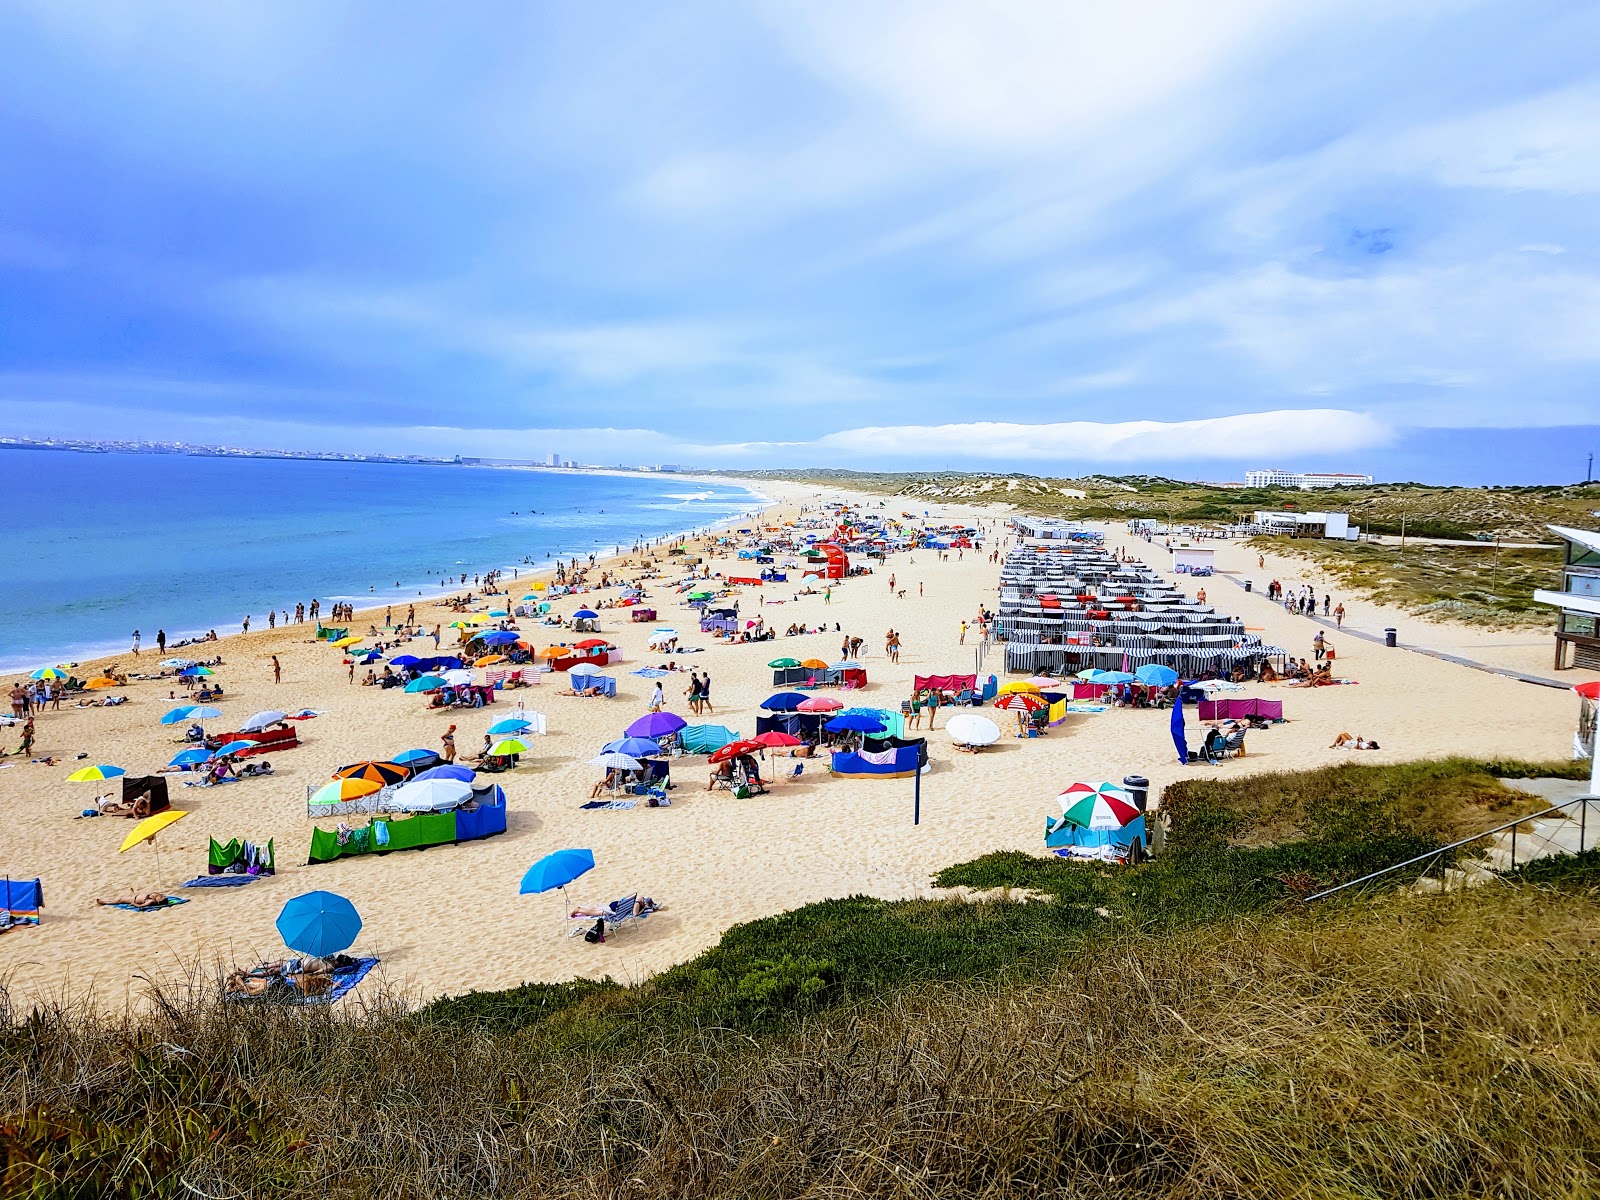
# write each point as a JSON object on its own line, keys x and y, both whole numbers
{"x": 95, "y": 774}
{"x": 406, "y": 757}
{"x": 499, "y": 637}
{"x": 844, "y": 666}
{"x": 1020, "y": 685}
{"x": 459, "y": 677}
{"x": 820, "y": 704}
{"x": 448, "y": 771}
{"x": 1156, "y": 675}
{"x": 404, "y": 660}
{"x": 179, "y": 663}
{"x": 855, "y": 723}
{"x": 735, "y": 749}
{"x": 636, "y": 747}
{"x": 579, "y": 669}
{"x": 776, "y": 737}
{"x": 498, "y": 612}
{"x": 650, "y": 672}
{"x": 1097, "y": 806}
{"x": 1115, "y": 677}
{"x": 1025, "y": 702}
{"x": 510, "y": 725}
{"x": 146, "y": 830}
{"x": 585, "y": 614}
{"x": 779, "y": 663}
{"x": 654, "y": 725}
{"x": 102, "y": 681}
{"x": 554, "y": 652}
{"x": 507, "y": 746}
{"x": 1046, "y": 684}
{"x": 319, "y": 924}
{"x": 1589, "y": 691}
{"x": 556, "y": 871}
{"x": 612, "y": 760}
{"x": 969, "y": 729}
{"x": 48, "y": 673}
{"x": 425, "y": 683}
{"x": 593, "y": 644}
{"x": 341, "y": 643}
{"x": 190, "y": 758}
{"x": 379, "y": 772}
{"x": 341, "y": 790}
{"x": 235, "y": 747}
{"x": 196, "y": 672}
{"x": 1088, "y": 674}
{"x": 785, "y": 702}
{"x": 261, "y": 720}
{"x": 305, "y": 714}
{"x": 462, "y": 624}
{"x": 430, "y": 795}
{"x": 814, "y": 664}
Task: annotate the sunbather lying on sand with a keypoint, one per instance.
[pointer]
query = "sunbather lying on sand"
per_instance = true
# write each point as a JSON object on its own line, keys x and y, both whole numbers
{"x": 137, "y": 899}
{"x": 1347, "y": 741}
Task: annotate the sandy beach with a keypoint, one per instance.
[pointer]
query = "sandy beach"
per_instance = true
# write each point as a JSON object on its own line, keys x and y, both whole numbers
{"x": 449, "y": 919}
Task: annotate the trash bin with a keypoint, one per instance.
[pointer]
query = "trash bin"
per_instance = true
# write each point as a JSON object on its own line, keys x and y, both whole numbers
{"x": 1389, "y": 636}
{"x": 1139, "y": 787}
{"x": 1249, "y": 585}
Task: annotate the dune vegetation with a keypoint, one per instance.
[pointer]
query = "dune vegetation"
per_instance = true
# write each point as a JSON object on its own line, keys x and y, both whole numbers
{"x": 1187, "y": 1027}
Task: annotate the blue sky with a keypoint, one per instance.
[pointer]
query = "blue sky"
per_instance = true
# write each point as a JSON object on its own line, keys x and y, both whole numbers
{"x": 1040, "y": 236}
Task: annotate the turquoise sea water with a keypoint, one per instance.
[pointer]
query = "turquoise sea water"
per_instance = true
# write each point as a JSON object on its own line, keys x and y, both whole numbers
{"x": 104, "y": 544}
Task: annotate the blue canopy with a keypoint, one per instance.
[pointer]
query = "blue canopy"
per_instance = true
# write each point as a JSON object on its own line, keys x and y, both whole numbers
{"x": 585, "y": 614}
{"x": 404, "y": 660}
{"x": 448, "y": 771}
{"x": 1156, "y": 675}
{"x": 319, "y": 924}
{"x": 785, "y": 702}
{"x": 556, "y": 871}
{"x": 500, "y": 637}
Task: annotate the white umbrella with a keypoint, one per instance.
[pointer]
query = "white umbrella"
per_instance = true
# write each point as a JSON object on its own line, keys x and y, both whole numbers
{"x": 614, "y": 760}
{"x": 261, "y": 720}
{"x": 429, "y": 795}
{"x": 969, "y": 729}
{"x": 457, "y": 678}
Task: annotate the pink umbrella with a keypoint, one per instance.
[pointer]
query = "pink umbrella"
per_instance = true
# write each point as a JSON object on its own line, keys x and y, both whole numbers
{"x": 820, "y": 704}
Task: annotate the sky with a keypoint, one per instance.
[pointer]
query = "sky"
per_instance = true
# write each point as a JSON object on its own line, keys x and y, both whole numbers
{"x": 1049, "y": 236}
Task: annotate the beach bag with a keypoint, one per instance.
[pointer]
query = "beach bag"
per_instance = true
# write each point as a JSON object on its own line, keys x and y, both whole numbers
{"x": 598, "y": 933}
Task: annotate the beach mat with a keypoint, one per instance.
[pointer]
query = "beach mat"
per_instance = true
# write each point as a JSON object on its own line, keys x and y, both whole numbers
{"x": 610, "y": 805}
{"x": 172, "y": 902}
{"x": 222, "y": 881}
{"x": 344, "y": 979}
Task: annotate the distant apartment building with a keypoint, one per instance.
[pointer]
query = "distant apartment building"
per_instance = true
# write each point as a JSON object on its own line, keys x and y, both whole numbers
{"x": 1578, "y": 628}
{"x": 552, "y": 459}
{"x": 1305, "y": 480}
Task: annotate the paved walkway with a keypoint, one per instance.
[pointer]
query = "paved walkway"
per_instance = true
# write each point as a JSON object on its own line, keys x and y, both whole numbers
{"x": 1348, "y": 631}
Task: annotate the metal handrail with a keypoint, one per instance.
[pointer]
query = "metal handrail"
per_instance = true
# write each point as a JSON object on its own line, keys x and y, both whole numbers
{"x": 1433, "y": 855}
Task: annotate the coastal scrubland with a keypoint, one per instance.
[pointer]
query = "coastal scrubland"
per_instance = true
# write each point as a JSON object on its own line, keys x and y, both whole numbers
{"x": 1185, "y": 1027}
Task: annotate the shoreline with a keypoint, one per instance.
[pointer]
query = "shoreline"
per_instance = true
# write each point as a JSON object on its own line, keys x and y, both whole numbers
{"x": 89, "y": 655}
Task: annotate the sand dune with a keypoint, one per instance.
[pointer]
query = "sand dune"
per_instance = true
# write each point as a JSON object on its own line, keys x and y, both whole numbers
{"x": 448, "y": 919}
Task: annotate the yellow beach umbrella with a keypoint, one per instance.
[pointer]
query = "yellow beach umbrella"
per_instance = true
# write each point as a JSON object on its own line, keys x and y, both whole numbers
{"x": 95, "y": 774}
{"x": 555, "y": 652}
{"x": 1020, "y": 685}
{"x": 147, "y": 829}
{"x": 344, "y": 789}
{"x": 341, "y": 643}
{"x": 538, "y": 586}
{"x": 489, "y": 660}
{"x": 102, "y": 681}
{"x": 461, "y": 624}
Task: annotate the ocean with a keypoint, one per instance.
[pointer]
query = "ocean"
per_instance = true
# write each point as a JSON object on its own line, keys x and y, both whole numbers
{"x": 98, "y": 545}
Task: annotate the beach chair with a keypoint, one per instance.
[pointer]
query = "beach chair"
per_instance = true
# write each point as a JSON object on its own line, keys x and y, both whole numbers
{"x": 1233, "y": 745}
{"x": 618, "y": 915}
{"x": 799, "y": 770}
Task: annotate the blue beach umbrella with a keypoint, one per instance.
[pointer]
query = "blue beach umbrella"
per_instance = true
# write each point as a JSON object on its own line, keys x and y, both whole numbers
{"x": 498, "y": 612}
{"x": 1156, "y": 675}
{"x": 404, "y": 660}
{"x": 448, "y": 771}
{"x": 585, "y": 614}
{"x": 785, "y": 702}
{"x": 407, "y": 757}
{"x": 655, "y": 725}
{"x": 859, "y": 723}
{"x": 583, "y": 668}
{"x": 425, "y": 683}
{"x": 500, "y": 637}
{"x": 556, "y": 871}
{"x": 1115, "y": 677}
{"x": 637, "y": 747}
{"x": 181, "y": 713}
{"x": 190, "y": 758}
{"x": 510, "y": 725}
{"x": 237, "y": 747}
{"x": 196, "y": 672}
{"x": 319, "y": 924}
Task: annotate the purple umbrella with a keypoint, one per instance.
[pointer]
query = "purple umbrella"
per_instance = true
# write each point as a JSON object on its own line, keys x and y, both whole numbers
{"x": 656, "y": 724}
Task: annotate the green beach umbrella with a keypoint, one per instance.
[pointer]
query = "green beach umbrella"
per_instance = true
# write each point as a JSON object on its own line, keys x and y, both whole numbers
{"x": 508, "y": 746}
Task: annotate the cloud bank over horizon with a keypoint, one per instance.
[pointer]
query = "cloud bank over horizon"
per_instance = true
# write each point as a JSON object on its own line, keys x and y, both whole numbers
{"x": 759, "y": 235}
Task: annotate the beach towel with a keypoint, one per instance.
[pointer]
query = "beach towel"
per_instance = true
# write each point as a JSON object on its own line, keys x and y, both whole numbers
{"x": 222, "y": 881}
{"x": 344, "y": 979}
{"x": 172, "y": 902}
{"x": 610, "y": 805}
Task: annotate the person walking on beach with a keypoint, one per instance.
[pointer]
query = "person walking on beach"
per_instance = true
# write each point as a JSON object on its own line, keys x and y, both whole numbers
{"x": 658, "y": 698}
{"x": 963, "y": 640}
{"x": 705, "y": 693}
{"x": 19, "y": 700}
{"x": 436, "y": 637}
{"x": 272, "y": 618}
{"x": 277, "y": 670}
{"x": 1338, "y": 617}
{"x": 161, "y": 641}
{"x": 827, "y": 595}
{"x": 448, "y": 743}
{"x": 352, "y": 670}
{"x": 1318, "y": 644}
{"x": 136, "y": 642}
{"x": 244, "y": 629}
